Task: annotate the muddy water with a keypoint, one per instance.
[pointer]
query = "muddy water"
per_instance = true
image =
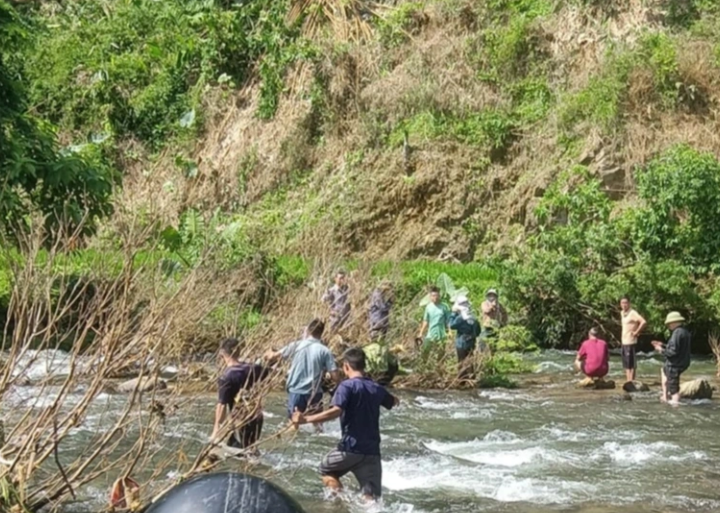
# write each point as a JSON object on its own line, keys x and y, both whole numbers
{"x": 542, "y": 448}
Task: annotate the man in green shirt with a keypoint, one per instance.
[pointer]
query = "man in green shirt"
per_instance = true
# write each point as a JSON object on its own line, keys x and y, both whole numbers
{"x": 435, "y": 321}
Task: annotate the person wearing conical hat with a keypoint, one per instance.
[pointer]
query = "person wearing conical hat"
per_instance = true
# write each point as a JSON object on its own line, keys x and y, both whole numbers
{"x": 677, "y": 357}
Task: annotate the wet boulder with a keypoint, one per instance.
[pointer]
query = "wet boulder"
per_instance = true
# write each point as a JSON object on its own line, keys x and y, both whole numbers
{"x": 696, "y": 389}
{"x": 226, "y": 492}
{"x": 146, "y": 384}
{"x": 635, "y": 386}
{"x": 596, "y": 384}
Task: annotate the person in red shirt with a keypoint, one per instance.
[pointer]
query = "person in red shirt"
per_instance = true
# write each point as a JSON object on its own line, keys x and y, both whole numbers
{"x": 593, "y": 357}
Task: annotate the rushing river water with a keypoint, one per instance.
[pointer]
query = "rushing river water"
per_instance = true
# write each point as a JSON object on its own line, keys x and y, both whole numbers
{"x": 546, "y": 447}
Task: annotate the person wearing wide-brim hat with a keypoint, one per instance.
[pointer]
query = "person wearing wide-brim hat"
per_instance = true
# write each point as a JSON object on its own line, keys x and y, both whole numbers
{"x": 677, "y": 356}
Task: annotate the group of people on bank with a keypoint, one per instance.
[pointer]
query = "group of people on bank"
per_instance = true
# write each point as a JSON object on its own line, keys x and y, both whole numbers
{"x": 593, "y": 357}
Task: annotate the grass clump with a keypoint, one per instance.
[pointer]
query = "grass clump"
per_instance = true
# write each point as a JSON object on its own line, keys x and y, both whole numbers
{"x": 491, "y": 128}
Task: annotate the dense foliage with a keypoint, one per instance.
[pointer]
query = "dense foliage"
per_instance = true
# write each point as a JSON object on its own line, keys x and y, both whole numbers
{"x": 65, "y": 186}
{"x": 139, "y": 68}
{"x": 584, "y": 257}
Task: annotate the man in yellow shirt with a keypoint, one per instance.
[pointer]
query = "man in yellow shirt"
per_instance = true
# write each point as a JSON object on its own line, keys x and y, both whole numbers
{"x": 632, "y": 325}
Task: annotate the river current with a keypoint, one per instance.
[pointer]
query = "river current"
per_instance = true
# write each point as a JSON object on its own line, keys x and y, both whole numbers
{"x": 545, "y": 447}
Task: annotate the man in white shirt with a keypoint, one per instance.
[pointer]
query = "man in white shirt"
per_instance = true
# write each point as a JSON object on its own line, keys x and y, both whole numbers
{"x": 632, "y": 325}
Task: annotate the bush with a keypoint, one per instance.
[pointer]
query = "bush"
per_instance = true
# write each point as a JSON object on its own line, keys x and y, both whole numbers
{"x": 583, "y": 259}
{"x": 138, "y": 67}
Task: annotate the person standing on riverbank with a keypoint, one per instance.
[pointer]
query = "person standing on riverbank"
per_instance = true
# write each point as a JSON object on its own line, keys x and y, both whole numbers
{"x": 435, "y": 321}
{"x": 677, "y": 357}
{"x": 467, "y": 330}
{"x": 381, "y": 302}
{"x": 357, "y": 403}
{"x": 238, "y": 377}
{"x": 310, "y": 360}
{"x": 593, "y": 358}
{"x": 338, "y": 298}
{"x": 632, "y": 325}
{"x": 494, "y": 315}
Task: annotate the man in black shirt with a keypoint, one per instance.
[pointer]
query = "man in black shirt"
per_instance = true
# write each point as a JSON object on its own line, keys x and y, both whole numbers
{"x": 238, "y": 377}
{"x": 677, "y": 357}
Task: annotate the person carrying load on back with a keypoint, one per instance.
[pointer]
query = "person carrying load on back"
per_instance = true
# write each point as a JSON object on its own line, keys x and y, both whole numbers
{"x": 494, "y": 316}
{"x": 677, "y": 357}
{"x": 310, "y": 360}
{"x": 466, "y": 326}
{"x": 381, "y": 302}
{"x": 338, "y": 298}
{"x": 238, "y": 377}
{"x": 593, "y": 358}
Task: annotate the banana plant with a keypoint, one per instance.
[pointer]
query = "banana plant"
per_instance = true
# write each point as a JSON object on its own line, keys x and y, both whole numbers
{"x": 447, "y": 290}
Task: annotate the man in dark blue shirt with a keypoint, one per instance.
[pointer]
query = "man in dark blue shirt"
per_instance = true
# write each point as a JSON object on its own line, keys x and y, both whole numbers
{"x": 677, "y": 357}
{"x": 239, "y": 377}
{"x": 357, "y": 402}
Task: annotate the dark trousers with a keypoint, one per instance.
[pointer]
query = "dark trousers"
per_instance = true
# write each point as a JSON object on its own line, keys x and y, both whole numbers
{"x": 247, "y": 435}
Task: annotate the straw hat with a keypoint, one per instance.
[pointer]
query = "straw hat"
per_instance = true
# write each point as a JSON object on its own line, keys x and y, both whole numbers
{"x": 491, "y": 292}
{"x": 674, "y": 317}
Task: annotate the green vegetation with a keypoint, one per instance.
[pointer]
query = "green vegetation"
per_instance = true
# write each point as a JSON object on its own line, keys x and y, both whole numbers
{"x": 139, "y": 68}
{"x": 571, "y": 274}
{"x": 63, "y": 186}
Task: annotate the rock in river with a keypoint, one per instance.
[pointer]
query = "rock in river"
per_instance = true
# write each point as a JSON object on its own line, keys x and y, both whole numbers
{"x": 226, "y": 492}
{"x": 596, "y": 384}
{"x": 142, "y": 384}
{"x": 635, "y": 386}
{"x": 696, "y": 389}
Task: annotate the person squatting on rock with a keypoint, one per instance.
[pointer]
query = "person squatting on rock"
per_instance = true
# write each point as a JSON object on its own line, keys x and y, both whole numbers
{"x": 467, "y": 330}
{"x": 357, "y": 403}
{"x": 310, "y": 360}
{"x": 435, "y": 322}
{"x": 593, "y": 358}
{"x": 238, "y": 377}
{"x": 338, "y": 298}
{"x": 677, "y": 357}
{"x": 494, "y": 316}
{"x": 632, "y": 325}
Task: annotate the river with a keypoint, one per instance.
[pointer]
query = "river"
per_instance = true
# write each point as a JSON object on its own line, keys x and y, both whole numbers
{"x": 545, "y": 447}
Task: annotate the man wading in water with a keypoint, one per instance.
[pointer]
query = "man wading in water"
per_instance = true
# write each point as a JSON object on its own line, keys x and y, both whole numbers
{"x": 309, "y": 359}
{"x": 677, "y": 357}
{"x": 357, "y": 402}
{"x": 632, "y": 325}
{"x": 238, "y": 377}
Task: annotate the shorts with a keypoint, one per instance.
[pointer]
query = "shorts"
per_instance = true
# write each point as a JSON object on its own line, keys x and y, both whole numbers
{"x": 366, "y": 468}
{"x": 246, "y": 435}
{"x": 672, "y": 374}
{"x": 305, "y": 403}
{"x": 599, "y": 372}
{"x": 628, "y": 357}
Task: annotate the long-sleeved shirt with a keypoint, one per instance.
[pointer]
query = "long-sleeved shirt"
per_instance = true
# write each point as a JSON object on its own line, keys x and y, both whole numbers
{"x": 339, "y": 300}
{"x": 466, "y": 331}
{"x": 493, "y": 315}
{"x": 677, "y": 350}
{"x": 379, "y": 314}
